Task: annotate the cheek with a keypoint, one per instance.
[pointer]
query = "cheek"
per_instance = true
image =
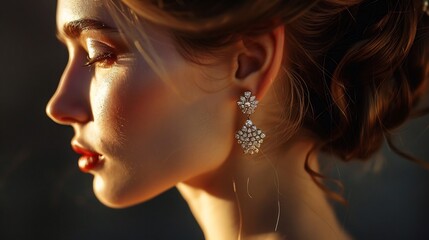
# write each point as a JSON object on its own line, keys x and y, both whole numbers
{"x": 107, "y": 101}
{"x": 172, "y": 133}
{"x": 153, "y": 138}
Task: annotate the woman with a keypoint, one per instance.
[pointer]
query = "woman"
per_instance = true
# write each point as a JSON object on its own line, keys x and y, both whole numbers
{"x": 233, "y": 102}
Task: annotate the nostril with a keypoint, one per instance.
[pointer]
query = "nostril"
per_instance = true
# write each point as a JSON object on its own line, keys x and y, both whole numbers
{"x": 65, "y": 110}
{"x": 54, "y": 112}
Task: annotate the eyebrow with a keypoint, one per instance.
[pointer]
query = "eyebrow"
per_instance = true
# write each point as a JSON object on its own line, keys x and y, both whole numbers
{"x": 74, "y": 29}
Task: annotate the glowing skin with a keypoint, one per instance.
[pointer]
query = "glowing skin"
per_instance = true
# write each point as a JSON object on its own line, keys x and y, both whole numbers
{"x": 150, "y": 137}
{"x": 143, "y": 134}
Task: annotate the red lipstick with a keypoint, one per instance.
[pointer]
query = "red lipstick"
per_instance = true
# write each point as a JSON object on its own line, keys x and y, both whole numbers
{"x": 89, "y": 159}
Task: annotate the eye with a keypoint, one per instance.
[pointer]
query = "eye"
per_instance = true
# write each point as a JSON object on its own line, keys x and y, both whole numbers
{"x": 99, "y": 54}
{"x": 104, "y": 59}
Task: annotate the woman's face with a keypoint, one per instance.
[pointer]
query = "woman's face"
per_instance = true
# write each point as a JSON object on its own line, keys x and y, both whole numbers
{"x": 148, "y": 133}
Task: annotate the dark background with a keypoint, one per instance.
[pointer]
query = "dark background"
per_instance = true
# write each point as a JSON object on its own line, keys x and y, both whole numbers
{"x": 43, "y": 195}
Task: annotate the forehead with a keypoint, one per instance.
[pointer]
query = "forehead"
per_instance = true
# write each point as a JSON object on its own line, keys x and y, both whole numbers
{"x": 71, "y": 10}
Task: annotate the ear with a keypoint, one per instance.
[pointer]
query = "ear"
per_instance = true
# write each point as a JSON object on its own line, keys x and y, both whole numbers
{"x": 259, "y": 60}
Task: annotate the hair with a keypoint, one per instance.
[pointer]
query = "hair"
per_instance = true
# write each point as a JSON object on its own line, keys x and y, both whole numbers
{"x": 355, "y": 69}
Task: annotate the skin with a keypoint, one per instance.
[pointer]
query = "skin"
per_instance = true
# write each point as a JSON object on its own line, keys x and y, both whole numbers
{"x": 156, "y": 132}
{"x": 124, "y": 111}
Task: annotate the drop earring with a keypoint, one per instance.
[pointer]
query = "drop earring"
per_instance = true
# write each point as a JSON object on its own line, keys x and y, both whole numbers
{"x": 249, "y": 136}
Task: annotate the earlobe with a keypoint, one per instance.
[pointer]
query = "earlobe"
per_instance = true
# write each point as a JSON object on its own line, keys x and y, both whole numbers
{"x": 259, "y": 61}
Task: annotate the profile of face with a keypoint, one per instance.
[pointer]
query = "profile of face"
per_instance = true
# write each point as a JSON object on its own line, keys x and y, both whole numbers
{"x": 147, "y": 132}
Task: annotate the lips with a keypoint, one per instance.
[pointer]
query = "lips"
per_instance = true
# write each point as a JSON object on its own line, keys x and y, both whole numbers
{"x": 89, "y": 159}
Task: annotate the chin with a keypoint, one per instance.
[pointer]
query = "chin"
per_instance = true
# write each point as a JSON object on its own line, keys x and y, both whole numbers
{"x": 118, "y": 197}
{"x": 113, "y": 203}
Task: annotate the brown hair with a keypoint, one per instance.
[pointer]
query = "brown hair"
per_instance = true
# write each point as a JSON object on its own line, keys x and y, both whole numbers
{"x": 356, "y": 68}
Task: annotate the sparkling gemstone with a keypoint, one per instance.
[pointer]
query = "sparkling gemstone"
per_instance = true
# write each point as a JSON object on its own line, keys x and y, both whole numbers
{"x": 247, "y": 103}
{"x": 250, "y": 138}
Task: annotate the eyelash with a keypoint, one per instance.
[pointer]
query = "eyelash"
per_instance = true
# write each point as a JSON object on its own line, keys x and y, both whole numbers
{"x": 104, "y": 59}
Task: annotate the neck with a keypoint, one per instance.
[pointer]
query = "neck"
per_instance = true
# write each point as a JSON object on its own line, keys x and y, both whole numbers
{"x": 263, "y": 196}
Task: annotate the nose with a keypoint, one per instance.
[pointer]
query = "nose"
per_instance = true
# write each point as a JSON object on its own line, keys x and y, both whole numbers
{"x": 71, "y": 101}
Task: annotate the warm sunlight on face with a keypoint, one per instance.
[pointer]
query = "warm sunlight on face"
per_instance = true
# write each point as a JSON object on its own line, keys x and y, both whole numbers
{"x": 139, "y": 135}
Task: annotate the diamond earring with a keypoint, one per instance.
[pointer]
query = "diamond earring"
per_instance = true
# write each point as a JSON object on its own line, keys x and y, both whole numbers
{"x": 249, "y": 136}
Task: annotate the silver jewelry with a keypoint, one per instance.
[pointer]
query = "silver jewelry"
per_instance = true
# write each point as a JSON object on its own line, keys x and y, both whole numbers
{"x": 249, "y": 136}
